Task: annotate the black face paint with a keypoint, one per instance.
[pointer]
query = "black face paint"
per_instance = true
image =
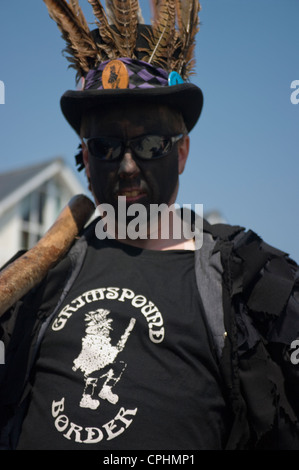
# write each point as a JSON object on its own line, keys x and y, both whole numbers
{"x": 154, "y": 182}
{"x": 143, "y": 182}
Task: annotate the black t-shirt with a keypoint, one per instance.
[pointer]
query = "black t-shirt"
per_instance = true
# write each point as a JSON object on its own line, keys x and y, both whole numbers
{"x": 127, "y": 362}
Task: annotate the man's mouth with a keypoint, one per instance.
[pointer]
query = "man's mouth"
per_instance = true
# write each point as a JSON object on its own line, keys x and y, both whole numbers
{"x": 131, "y": 194}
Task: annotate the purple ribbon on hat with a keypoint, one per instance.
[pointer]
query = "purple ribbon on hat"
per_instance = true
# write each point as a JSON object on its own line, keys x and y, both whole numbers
{"x": 141, "y": 75}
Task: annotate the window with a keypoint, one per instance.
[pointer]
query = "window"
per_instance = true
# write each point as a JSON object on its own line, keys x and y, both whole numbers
{"x": 38, "y": 211}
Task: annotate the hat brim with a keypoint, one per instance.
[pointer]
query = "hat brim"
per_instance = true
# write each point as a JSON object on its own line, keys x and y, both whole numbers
{"x": 186, "y": 98}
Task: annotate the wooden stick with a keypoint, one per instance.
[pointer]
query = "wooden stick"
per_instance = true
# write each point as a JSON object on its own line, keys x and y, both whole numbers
{"x": 29, "y": 269}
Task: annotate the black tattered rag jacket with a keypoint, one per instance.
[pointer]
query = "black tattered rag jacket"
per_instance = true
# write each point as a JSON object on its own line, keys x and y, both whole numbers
{"x": 250, "y": 294}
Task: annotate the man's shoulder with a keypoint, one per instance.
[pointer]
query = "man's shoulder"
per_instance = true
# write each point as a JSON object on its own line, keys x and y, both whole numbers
{"x": 222, "y": 231}
{"x": 245, "y": 243}
{"x": 265, "y": 275}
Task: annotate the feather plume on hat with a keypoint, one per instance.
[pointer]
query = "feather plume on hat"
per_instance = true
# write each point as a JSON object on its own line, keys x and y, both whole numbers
{"x": 169, "y": 44}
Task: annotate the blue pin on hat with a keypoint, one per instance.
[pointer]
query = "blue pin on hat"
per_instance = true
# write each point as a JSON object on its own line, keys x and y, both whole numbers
{"x": 174, "y": 78}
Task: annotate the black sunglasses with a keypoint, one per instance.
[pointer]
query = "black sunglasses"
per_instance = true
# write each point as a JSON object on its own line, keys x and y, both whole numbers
{"x": 146, "y": 147}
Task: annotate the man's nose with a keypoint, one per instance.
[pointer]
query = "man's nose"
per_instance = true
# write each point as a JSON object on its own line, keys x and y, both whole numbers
{"x": 128, "y": 167}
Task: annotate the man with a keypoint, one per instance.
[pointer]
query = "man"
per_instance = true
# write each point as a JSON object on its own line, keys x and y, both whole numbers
{"x": 149, "y": 342}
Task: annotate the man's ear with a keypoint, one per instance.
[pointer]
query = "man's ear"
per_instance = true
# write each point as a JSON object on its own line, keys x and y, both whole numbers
{"x": 183, "y": 151}
{"x": 85, "y": 159}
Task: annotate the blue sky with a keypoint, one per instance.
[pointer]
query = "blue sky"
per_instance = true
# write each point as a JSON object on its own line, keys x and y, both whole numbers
{"x": 244, "y": 150}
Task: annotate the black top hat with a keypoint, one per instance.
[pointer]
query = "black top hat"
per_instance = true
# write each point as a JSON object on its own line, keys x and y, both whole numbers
{"x": 125, "y": 60}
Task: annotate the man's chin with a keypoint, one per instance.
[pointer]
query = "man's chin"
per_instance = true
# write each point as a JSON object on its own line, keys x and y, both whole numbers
{"x": 136, "y": 220}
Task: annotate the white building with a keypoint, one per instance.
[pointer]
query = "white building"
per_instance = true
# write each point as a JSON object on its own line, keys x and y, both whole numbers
{"x": 215, "y": 217}
{"x": 30, "y": 200}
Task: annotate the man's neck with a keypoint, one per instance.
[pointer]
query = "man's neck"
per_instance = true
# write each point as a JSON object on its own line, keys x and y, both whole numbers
{"x": 156, "y": 239}
{"x": 161, "y": 245}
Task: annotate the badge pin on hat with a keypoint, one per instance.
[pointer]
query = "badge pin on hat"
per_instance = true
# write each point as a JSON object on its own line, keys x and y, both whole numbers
{"x": 125, "y": 60}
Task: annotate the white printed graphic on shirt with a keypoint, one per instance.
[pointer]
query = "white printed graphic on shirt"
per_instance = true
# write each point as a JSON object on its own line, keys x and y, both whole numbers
{"x": 100, "y": 363}
{"x": 139, "y": 303}
{"x": 97, "y": 353}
